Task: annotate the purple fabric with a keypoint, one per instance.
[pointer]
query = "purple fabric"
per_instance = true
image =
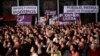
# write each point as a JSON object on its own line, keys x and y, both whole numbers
{"x": 23, "y": 19}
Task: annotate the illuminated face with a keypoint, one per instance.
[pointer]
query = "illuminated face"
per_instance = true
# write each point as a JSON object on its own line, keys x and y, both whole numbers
{"x": 71, "y": 48}
{"x": 32, "y": 49}
{"x": 93, "y": 46}
{"x": 9, "y": 45}
{"x": 91, "y": 39}
{"x": 81, "y": 44}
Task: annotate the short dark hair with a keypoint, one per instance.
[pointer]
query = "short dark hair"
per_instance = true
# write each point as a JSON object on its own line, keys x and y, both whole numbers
{"x": 75, "y": 47}
{"x": 35, "y": 48}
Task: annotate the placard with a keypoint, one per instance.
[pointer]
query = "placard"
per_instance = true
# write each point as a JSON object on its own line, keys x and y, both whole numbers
{"x": 17, "y": 10}
{"x": 50, "y": 12}
{"x": 24, "y": 19}
{"x": 81, "y": 9}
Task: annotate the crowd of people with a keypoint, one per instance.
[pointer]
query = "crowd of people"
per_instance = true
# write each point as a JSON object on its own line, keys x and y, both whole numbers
{"x": 50, "y": 40}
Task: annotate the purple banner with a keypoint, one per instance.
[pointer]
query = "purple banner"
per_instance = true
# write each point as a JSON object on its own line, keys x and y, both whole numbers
{"x": 50, "y": 12}
{"x": 68, "y": 17}
{"x": 24, "y": 19}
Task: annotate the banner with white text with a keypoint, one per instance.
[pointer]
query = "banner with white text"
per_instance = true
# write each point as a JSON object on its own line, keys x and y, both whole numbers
{"x": 81, "y": 9}
{"x": 17, "y": 10}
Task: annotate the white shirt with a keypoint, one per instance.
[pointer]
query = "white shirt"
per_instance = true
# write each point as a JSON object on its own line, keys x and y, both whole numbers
{"x": 35, "y": 54}
{"x": 54, "y": 39}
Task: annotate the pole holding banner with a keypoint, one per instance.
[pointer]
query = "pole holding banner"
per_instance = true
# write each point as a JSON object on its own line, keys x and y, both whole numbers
{"x": 17, "y": 14}
{"x": 17, "y": 2}
{"x": 58, "y": 7}
{"x": 38, "y": 10}
{"x": 76, "y": 2}
{"x": 96, "y": 13}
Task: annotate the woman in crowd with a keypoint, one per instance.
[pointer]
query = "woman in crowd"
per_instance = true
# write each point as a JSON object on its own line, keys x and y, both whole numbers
{"x": 93, "y": 51}
{"x": 74, "y": 50}
{"x": 53, "y": 49}
{"x": 33, "y": 51}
